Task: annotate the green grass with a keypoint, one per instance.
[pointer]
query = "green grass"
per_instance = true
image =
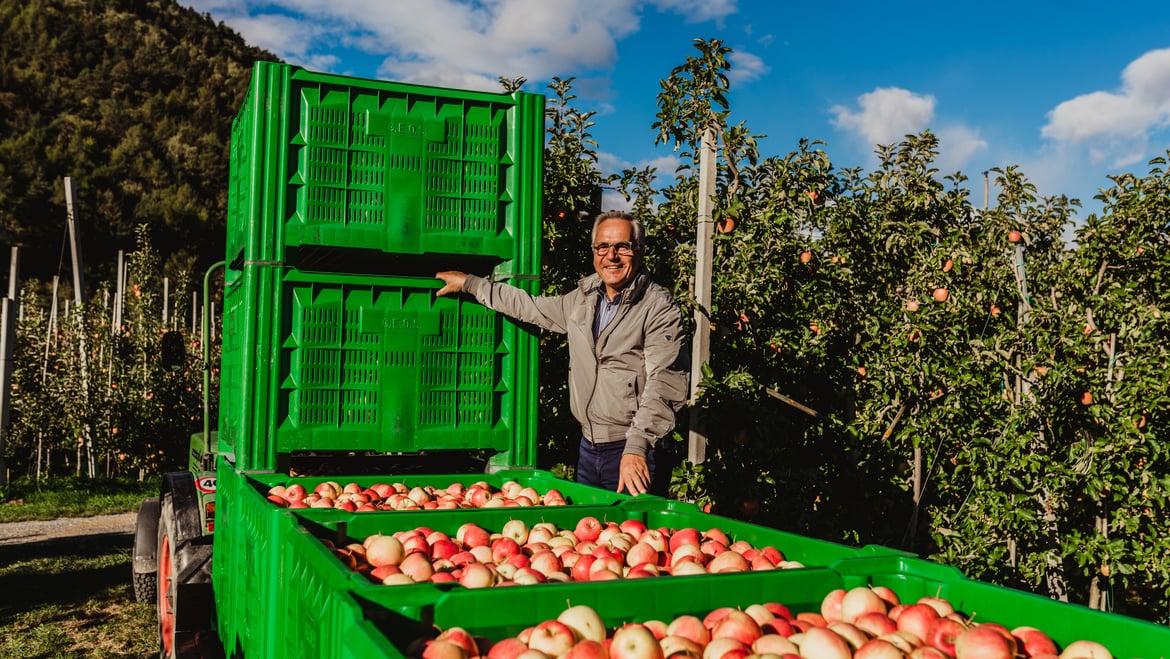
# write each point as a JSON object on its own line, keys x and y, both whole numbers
{"x": 24, "y": 500}
{"x": 73, "y": 598}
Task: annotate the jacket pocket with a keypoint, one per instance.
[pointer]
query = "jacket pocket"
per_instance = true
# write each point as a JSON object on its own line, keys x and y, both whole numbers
{"x": 616, "y": 399}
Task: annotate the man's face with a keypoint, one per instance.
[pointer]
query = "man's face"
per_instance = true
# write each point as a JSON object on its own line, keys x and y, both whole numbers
{"x": 616, "y": 271}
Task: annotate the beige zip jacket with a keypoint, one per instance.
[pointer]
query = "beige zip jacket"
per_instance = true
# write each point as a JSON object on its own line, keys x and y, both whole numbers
{"x": 630, "y": 382}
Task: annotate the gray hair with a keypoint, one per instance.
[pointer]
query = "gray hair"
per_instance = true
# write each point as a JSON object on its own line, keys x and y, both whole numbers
{"x": 637, "y": 231}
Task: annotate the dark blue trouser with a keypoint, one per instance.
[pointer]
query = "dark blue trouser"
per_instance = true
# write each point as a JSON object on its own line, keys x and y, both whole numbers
{"x": 599, "y": 464}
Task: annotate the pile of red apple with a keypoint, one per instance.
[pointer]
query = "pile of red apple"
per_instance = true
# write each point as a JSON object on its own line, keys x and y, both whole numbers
{"x": 591, "y": 551}
{"x": 399, "y": 496}
{"x": 861, "y": 623}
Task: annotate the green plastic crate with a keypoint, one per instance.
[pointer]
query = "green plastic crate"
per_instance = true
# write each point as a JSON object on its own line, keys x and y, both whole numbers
{"x": 655, "y": 512}
{"x": 370, "y": 363}
{"x": 500, "y": 612}
{"x": 245, "y": 572}
{"x": 335, "y": 161}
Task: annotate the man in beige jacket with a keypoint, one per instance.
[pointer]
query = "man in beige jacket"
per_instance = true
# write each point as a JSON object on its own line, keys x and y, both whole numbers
{"x": 627, "y": 357}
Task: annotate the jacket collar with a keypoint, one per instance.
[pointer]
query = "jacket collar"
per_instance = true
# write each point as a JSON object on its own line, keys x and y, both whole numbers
{"x": 631, "y": 293}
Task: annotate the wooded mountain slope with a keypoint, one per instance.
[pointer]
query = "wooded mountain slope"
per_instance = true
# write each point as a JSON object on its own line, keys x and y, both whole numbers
{"x": 134, "y": 100}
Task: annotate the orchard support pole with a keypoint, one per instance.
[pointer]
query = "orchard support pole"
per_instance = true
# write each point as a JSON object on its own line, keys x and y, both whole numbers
{"x": 78, "y": 290}
{"x": 7, "y": 342}
{"x": 704, "y": 248}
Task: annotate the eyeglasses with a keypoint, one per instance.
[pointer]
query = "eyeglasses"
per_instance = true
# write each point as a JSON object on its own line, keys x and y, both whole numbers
{"x": 623, "y": 249}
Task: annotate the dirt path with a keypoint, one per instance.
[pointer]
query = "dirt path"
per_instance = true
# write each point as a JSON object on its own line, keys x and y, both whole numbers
{"x": 14, "y": 533}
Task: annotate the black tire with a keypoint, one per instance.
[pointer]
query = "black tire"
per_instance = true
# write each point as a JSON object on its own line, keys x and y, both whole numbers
{"x": 145, "y": 576}
{"x": 184, "y": 596}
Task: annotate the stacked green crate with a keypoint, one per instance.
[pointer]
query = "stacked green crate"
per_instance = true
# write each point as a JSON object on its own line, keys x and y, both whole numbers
{"x": 346, "y": 195}
{"x": 332, "y": 161}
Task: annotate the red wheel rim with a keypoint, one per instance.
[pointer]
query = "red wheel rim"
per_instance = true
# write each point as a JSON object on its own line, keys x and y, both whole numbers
{"x": 166, "y": 597}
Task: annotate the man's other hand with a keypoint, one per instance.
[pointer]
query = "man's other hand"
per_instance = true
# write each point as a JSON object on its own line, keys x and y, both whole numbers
{"x": 634, "y": 474}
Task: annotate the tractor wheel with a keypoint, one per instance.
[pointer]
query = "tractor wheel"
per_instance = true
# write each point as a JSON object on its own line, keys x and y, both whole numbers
{"x": 145, "y": 577}
{"x": 184, "y": 591}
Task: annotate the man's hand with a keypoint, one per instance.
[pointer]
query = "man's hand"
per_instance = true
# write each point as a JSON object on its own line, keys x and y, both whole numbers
{"x": 453, "y": 280}
{"x": 633, "y": 474}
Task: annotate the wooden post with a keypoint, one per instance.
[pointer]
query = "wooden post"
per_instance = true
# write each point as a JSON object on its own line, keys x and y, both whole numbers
{"x": 7, "y": 342}
{"x": 704, "y": 248}
{"x": 166, "y": 299}
{"x": 79, "y": 306}
{"x": 116, "y": 321}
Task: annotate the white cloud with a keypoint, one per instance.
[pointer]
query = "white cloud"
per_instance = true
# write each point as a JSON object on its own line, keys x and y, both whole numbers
{"x": 698, "y": 11}
{"x": 957, "y": 146}
{"x": 745, "y": 67}
{"x": 886, "y": 115}
{"x": 1117, "y": 126}
{"x": 452, "y": 43}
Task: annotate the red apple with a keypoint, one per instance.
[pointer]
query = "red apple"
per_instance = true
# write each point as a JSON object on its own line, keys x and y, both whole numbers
{"x": 680, "y": 647}
{"x": 587, "y": 649}
{"x": 728, "y": 561}
{"x": 983, "y": 642}
{"x": 634, "y": 641}
{"x": 876, "y": 624}
{"x": 876, "y": 648}
{"x": 634, "y": 527}
{"x": 516, "y": 529}
{"x": 852, "y": 634}
{"x": 831, "y": 604}
{"x": 641, "y": 553}
{"x": 717, "y": 535}
{"x": 588, "y": 529}
{"x": 295, "y": 492}
{"x": 939, "y": 604}
{"x": 774, "y": 644}
{"x": 552, "y": 637}
{"x": 508, "y": 648}
{"x": 584, "y": 621}
{"x": 917, "y": 619}
{"x": 685, "y": 536}
{"x": 477, "y": 575}
{"x": 687, "y": 567}
{"x": 1085, "y": 650}
{"x": 858, "y": 601}
{"x": 824, "y": 643}
{"x": 417, "y": 566}
{"x": 502, "y": 548}
{"x": 725, "y": 648}
{"x": 737, "y": 625}
{"x": 437, "y": 649}
{"x": 689, "y": 627}
{"x": 383, "y": 550}
{"x": 1033, "y": 642}
{"x": 942, "y": 634}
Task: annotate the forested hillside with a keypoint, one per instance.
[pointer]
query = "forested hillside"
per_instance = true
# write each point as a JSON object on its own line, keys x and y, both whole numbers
{"x": 134, "y": 100}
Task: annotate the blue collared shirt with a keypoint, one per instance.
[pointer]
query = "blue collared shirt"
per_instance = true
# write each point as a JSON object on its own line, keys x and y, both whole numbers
{"x": 606, "y": 311}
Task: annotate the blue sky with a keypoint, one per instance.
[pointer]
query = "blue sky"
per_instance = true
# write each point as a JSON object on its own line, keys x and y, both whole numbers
{"x": 1070, "y": 92}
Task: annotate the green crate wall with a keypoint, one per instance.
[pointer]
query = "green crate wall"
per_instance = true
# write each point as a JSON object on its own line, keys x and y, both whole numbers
{"x": 247, "y": 542}
{"x": 336, "y": 161}
{"x": 500, "y": 612}
{"x": 370, "y": 363}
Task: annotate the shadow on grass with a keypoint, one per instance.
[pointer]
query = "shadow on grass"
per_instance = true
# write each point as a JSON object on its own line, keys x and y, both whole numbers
{"x": 62, "y": 571}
